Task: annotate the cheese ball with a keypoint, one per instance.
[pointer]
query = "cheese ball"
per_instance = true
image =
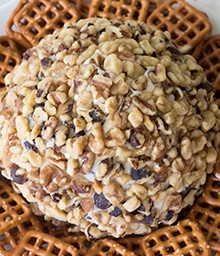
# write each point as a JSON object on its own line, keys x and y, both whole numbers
{"x": 107, "y": 126}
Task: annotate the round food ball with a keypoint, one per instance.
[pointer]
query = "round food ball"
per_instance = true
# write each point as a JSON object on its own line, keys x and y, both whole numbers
{"x": 106, "y": 125}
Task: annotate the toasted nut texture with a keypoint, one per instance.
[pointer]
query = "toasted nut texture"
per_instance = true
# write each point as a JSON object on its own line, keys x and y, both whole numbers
{"x": 116, "y": 134}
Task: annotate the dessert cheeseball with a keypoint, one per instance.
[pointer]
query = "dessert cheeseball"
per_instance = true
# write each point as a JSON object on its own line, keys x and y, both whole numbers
{"x": 107, "y": 126}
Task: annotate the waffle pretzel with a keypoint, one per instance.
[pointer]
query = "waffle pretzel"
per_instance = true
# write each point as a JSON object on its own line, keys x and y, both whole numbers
{"x": 80, "y": 242}
{"x": 39, "y": 18}
{"x": 108, "y": 247}
{"x": 9, "y": 56}
{"x": 39, "y": 243}
{"x": 132, "y": 243}
{"x": 13, "y": 209}
{"x": 120, "y": 10}
{"x": 153, "y": 5}
{"x": 11, "y": 29}
{"x": 211, "y": 193}
{"x": 84, "y": 8}
{"x": 10, "y": 238}
{"x": 187, "y": 25}
{"x": 208, "y": 218}
{"x": 209, "y": 59}
{"x": 196, "y": 50}
{"x": 185, "y": 238}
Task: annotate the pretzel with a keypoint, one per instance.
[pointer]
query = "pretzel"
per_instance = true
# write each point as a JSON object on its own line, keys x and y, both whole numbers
{"x": 121, "y": 10}
{"x": 210, "y": 60}
{"x": 108, "y": 247}
{"x": 84, "y": 8}
{"x": 10, "y": 238}
{"x": 9, "y": 56}
{"x": 187, "y": 25}
{"x": 132, "y": 243}
{"x": 39, "y": 18}
{"x": 80, "y": 242}
{"x": 211, "y": 193}
{"x": 11, "y": 29}
{"x": 208, "y": 218}
{"x": 153, "y": 5}
{"x": 185, "y": 238}
{"x": 39, "y": 243}
{"x": 13, "y": 208}
{"x": 196, "y": 50}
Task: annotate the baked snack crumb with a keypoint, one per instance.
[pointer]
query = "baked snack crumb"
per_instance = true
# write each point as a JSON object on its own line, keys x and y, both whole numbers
{"x": 106, "y": 125}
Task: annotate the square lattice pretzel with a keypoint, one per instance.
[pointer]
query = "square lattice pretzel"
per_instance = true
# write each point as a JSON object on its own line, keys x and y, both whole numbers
{"x": 12, "y": 30}
{"x": 208, "y": 218}
{"x": 10, "y": 238}
{"x": 211, "y": 193}
{"x": 41, "y": 17}
{"x": 119, "y": 9}
{"x": 108, "y": 247}
{"x": 185, "y": 238}
{"x": 132, "y": 243}
{"x": 187, "y": 25}
{"x": 13, "y": 208}
{"x": 80, "y": 242}
{"x": 39, "y": 243}
{"x": 9, "y": 56}
{"x": 209, "y": 59}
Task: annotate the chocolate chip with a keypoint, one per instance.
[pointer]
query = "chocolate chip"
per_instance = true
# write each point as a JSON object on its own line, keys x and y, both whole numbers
{"x": 28, "y": 53}
{"x": 133, "y": 139}
{"x": 76, "y": 83}
{"x": 174, "y": 50}
{"x": 39, "y": 105}
{"x": 19, "y": 179}
{"x": 208, "y": 87}
{"x": 101, "y": 202}
{"x": 81, "y": 133}
{"x": 96, "y": 114}
{"x": 46, "y": 62}
{"x": 116, "y": 212}
{"x": 56, "y": 197}
{"x": 30, "y": 146}
{"x": 39, "y": 93}
{"x": 148, "y": 219}
{"x": 169, "y": 215}
{"x": 138, "y": 174}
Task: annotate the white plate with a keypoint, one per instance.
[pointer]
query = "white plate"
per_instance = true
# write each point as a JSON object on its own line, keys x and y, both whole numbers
{"x": 210, "y": 7}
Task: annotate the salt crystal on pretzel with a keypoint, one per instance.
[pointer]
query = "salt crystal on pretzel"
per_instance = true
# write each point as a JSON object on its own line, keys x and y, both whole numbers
{"x": 121, "y": 10}
{"x": 185, "y": 238}
{"x": 187, "y": 25}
